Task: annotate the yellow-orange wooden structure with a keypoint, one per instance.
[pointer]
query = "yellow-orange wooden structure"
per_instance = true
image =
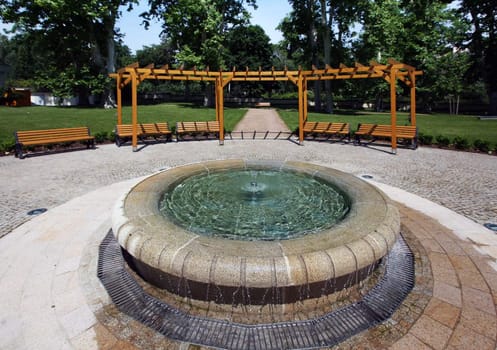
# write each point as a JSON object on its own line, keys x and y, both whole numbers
{"x": 392, "y": 72}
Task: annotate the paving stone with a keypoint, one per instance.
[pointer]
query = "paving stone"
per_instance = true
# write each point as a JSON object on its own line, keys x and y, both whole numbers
{"x": 431, "y": 332}
{"x": 474, "y": 298}
{"x": 410, "y": 342}
{"x": 479, "y": 321}
{"x": 465, "y": 338}
{"x": 443, "y": 312}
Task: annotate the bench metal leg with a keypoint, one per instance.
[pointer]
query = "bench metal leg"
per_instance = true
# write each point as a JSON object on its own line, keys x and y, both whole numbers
{"x": 18, "y": 151}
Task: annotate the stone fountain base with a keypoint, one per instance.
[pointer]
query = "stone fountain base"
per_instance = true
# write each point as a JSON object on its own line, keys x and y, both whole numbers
{"x": 256, "y": 275}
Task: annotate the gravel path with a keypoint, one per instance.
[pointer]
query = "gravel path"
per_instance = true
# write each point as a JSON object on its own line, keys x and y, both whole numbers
{"x": 261, "y": 120}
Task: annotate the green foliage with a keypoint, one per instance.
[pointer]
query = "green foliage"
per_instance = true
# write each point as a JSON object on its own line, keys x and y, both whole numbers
{"x": 482, "y": 146}
{"x": 425, "y": 139}
{"x": 482, "y": 45}
{"x": 197, "y": 29}
{"x": 442, "y": 141}
{"x": 159, "y": 55}
{"x": 101, "y": 137}
{"x": 67, "y": 46}
{"x": 461, "y": 143}
{"x": 7, "y": 146}
{"x": 248, "y": 47}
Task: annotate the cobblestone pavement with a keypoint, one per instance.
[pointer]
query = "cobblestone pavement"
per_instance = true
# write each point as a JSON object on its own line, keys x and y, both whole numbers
{"x": 463, "y": 182}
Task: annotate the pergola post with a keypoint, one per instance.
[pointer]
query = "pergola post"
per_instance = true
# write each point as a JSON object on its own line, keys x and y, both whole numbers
{"x": 412, "y": 77}
{"x": 119, "y": 100}
{"x": 220, "y": 108}
{"x": 300, "y": 85}
{"x": 306, "y": 105}
{"x": 393, "y": 107}
{"x": 134, "y": 110}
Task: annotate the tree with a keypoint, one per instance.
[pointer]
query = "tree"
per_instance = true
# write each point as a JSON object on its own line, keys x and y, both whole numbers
{"x": 300, "y": 33}
{"x": 481, "y": 41}
{"x": 422, "y": 33}
{"x": 77, "y": 40}
{"x": 318, "y": 33}
{"x": 248, "y": 47}
{"x": 198, "y": 28}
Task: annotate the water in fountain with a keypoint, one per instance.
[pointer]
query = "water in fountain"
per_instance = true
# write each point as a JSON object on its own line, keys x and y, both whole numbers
{"x": 255, "y": 204}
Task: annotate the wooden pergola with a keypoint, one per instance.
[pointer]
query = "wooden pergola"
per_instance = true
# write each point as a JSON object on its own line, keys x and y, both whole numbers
{"x": 392, "y": 72}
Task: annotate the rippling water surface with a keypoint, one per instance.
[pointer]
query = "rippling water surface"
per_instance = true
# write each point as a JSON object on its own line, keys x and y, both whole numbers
{"x": 254, "y": 204}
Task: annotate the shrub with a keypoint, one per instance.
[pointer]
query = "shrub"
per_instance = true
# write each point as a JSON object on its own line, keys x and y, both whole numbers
{"x": 482, "y": 146}
{"x": 7, "y": 146}
{"x": 101, "y": 137}
{"x": 425, "y": 139}
{"x": 461, "y": 143}
{"x": 442, "y": 141}
{"x": 112, "y": 136}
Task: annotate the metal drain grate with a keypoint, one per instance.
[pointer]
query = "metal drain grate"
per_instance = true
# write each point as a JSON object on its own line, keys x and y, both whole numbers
{"x": 376, "y": 306}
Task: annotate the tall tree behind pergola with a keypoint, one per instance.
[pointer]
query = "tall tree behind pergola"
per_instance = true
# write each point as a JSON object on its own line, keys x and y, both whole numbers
{"x": 392, "y": 72}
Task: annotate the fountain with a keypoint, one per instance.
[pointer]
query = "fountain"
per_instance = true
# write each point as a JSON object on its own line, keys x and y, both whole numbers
{"x": 198, "y": 233}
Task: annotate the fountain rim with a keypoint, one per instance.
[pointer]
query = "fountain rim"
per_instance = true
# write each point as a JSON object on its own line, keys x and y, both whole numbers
{"x": 364, "y": 236}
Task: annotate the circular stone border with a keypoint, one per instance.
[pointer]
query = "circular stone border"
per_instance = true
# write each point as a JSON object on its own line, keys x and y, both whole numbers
{"x": 260, "y": 272}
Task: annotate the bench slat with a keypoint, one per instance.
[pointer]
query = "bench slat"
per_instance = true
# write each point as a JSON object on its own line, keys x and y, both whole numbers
{"x": 327, "y": 128}
{"x": 405, "y": 132}
{"x": 125, "y": 131}
{"x": 197, "y": 127}
{"x": 51, "y": 136}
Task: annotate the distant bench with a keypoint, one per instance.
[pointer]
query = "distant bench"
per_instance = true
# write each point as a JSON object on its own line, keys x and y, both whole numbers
{"x": 51, "y": 136}
{"x": 377, "y": 131}
{"x": 340, "y": 130}
{"x": 197, "y": 128}
{"x": 124, "y": 132}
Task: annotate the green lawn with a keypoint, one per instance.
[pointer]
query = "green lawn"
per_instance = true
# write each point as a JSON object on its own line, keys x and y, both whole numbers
{"x": 450, "y": 126}
{"x": 101, "y": 120}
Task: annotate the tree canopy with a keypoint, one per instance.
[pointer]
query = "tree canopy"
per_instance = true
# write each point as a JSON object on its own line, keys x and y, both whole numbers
{"x": 69, "y": 47}
{"x": 71, "y": 42}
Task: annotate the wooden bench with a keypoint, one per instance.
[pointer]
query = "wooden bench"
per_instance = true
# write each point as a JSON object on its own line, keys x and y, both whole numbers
{"x": 378, "y": 131}
{"x": 51, "y": 136}
{"x": 124, "y": 132}
{"x": 197, "y": 128}
{"x": 340, "y": 130}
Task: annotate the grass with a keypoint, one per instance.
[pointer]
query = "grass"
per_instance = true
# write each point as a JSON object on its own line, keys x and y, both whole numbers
{"x": 468, "y": 127}
{"x": 104, "y": 120}
{"x": 101, "y": 120}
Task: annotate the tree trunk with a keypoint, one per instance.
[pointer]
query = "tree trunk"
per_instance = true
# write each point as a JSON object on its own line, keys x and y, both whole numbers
{"x": 109, "y": 100}
{"x": 326, "y": 27}
{"x": 311, "y": 37}
{"x": 209, "y": 97}
{"x": 492, "y": 107}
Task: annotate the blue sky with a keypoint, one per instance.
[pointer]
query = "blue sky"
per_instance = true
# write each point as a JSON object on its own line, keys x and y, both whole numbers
{"x": 268, "y": 15}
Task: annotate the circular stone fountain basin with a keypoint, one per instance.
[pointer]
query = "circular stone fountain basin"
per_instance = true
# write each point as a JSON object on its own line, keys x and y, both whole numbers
{"x": 230, "y": 271}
